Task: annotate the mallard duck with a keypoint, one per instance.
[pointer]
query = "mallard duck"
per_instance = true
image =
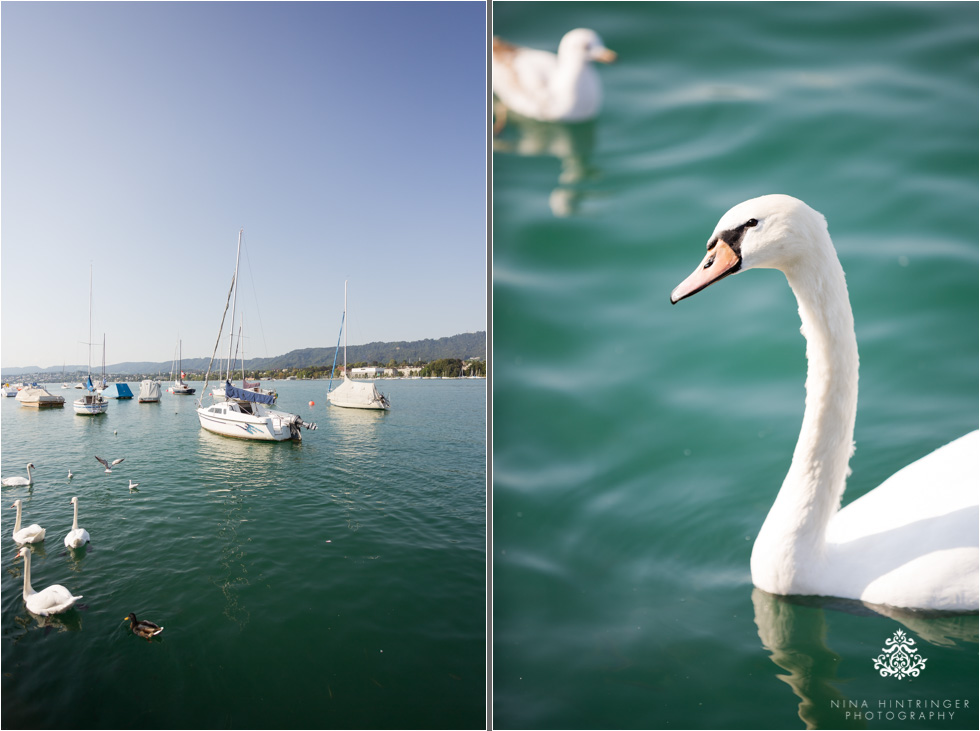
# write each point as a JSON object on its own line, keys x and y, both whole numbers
{"x": 143, "y": 627}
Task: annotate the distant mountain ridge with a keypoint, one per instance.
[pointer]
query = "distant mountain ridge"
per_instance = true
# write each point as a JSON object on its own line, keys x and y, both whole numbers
{"x": 462, "y": 346}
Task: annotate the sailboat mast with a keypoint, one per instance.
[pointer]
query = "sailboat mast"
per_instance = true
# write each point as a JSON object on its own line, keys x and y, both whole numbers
{"x": 90, "y": 320}
{"x": 241, "y": 335}
{"x": 345, "y": 328}
{"x": 234, "y": 303}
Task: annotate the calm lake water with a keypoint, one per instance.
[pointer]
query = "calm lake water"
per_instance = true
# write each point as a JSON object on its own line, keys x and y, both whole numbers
{"x": 336, "y": 583}
{"x": 637, "y": 447}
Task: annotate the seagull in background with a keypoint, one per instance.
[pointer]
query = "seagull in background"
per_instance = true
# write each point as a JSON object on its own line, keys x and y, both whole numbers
{"x": 108, "y": 467}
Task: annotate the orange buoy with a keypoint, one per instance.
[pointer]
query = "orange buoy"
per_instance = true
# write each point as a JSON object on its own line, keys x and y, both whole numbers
{"x": 312, "y": 404}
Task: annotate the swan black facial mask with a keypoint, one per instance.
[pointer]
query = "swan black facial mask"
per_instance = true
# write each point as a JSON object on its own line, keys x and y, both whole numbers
{"x": 724, "y": 257}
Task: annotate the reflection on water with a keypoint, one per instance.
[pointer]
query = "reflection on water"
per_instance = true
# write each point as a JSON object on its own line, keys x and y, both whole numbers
{"x": 572, "y": 144}
{"x": 794, "y": 630}
{"x": 232, "y": 575}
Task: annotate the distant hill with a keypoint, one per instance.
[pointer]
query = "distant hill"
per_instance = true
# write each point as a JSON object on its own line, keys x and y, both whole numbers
{"x": 463, "y": 346}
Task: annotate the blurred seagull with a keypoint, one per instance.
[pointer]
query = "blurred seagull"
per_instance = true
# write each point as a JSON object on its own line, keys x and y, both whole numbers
{"x": 562, "y": 87}
{"x": 108, "y": 467}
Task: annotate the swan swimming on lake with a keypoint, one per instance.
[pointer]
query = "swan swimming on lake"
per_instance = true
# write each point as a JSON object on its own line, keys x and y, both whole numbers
{"x": 31, "y": 534}
{"x": 78, "y": 536}
{"x": 108, "y": 467}
{"x": 133, "y": 485}
{"x": 913, "y": 541}
{"x": 562, "y": 87}
{"x": 19, "y": 481}
{"x": 52, "y": 600}
{"x": 70, "y": 475}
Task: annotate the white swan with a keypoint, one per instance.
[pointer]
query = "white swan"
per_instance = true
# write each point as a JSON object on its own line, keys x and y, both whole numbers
{"x": 913, "y": 541}
{"x": 19, "y": 481}
{"x": 78, "y": 536}
{"x": 52, "y": 600}
{"x": 548, "y": 87}
{"x": 133, "y": 485}
{"x": 31, "y": 534}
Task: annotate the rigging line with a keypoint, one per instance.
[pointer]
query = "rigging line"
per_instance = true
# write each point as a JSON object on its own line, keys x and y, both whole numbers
{"x": 220, "y": 333}
{"x": 255, "y": 297}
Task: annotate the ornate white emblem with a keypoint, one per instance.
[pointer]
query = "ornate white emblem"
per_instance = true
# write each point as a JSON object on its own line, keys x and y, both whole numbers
{"x": 899, "y": 658}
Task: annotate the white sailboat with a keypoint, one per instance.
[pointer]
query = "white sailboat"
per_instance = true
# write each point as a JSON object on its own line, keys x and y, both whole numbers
{"x": 180, "y": 388}
{"x": 244, "y": 414}
{"x": 92, "y": 403}
{"x": 356, "y": 394}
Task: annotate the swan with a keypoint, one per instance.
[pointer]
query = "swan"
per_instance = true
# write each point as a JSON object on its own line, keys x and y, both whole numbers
{"x": 912, "y": 542}
{"x": 52, "y": 600}
{"x": 133, "y": 485}
{"x": 19, "y": 481}
{"x": 70, "y": 475}
{"x": 549, "y": 87}
{"x": 31, "y": 534}
{"x": 143, "y": 627}
{"x": 108, "y": 467}
{"x": 78, "y": 536}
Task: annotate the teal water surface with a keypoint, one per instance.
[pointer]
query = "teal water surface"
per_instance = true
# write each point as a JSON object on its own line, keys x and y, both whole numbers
{"x": 334, "y": 583}
{"x": 637, "y": 447}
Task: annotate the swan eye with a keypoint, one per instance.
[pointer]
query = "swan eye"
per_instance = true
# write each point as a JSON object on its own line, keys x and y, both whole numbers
{"x": 708, "y": 263}
{"x": 751, "y": 223}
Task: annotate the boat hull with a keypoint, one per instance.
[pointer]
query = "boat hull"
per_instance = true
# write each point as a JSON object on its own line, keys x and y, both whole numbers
{"x": 90, "y": 406}
{"x": 218, "y": 419}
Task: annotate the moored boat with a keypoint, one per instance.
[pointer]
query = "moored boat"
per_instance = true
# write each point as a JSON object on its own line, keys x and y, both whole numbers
{"x": 244, "y": 414}
{"x": 149, "y": 392}
{"x": 38, "y": 397}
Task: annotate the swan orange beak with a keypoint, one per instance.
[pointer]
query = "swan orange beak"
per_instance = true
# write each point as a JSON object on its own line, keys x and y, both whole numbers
{"x": 720, "y": 261}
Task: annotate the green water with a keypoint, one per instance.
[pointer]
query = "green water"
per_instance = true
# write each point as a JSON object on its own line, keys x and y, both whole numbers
{"x": 638, "y": 446}
{"x": 336, "y": 583}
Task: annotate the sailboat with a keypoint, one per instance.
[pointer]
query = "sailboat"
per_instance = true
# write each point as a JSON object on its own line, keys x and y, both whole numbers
{"x": 355, "y": 394}
{"x": 93, "y": 402}
{"x": 180, "y": 388}
{"x": 244, "y": 414}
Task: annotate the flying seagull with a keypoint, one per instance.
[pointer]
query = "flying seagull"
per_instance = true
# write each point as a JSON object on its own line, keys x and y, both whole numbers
{"x": 108, "y": 467}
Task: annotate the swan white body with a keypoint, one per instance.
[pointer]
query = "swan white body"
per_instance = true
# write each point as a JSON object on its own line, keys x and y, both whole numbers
{"x": 78, "y": 537}
{"x": 52, "y": 600}
{"x": 133, "y": 485}
{"x": 549, "y": 87}
{"x": 19, "y": 481}
{"x": 913, "y": 541}
{"x": 31, "y": 534}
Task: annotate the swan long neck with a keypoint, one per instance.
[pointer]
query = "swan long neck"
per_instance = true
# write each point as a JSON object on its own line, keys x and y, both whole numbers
{"x": 28, "y": 589}
{"x": 812, "y": 490}
{"x": 74, "y": 525}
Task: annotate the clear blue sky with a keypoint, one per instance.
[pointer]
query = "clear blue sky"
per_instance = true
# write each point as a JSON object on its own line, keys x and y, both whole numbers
{"x": 348, "y": 139}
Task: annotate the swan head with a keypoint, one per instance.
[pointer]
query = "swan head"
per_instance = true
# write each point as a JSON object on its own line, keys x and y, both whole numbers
{"x": 23, "y": 552}
{"x": 74, "y": 501}
{"x": 30, "y": 466}
{"x": 16, "y": 504}
{"x": 583, "y": 44}
{"x": 770, "y": 232}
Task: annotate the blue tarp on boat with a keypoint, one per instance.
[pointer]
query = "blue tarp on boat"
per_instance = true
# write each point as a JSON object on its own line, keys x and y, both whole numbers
{"x": 242, "y": 395}
{"x": 118, "y": 390}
